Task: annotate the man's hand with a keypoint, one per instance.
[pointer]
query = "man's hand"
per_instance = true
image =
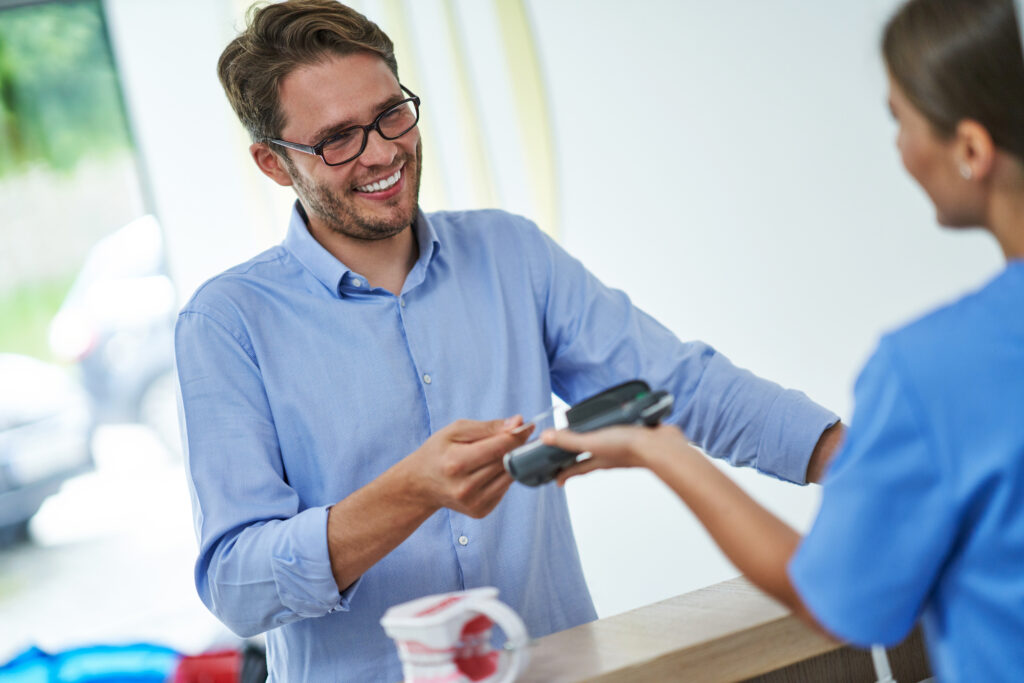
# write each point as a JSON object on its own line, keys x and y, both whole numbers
{"x": 460, "y": 466}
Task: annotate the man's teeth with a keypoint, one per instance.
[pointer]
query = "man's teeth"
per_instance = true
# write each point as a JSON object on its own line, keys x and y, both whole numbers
{"x": 381, "y": 184}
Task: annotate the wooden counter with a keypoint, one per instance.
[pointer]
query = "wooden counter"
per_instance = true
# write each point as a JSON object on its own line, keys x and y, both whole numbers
{"x": 727, "y": 632}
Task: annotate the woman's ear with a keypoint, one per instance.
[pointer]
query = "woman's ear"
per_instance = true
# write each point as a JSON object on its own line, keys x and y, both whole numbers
{"x": 973, "y": 149}
{"x": 270, "y": 163}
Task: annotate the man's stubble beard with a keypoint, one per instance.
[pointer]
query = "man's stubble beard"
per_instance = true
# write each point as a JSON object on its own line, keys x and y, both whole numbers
{"x": 341, "y": 217}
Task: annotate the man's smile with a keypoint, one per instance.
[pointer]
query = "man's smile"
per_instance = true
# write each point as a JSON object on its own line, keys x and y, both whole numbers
{"x": 380, "y": 188}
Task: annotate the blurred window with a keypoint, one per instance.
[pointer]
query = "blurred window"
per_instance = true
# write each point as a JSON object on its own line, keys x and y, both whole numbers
{"x": 68, "y": 172}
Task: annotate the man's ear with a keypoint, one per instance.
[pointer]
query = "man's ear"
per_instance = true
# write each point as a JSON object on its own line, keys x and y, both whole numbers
{"x": 975, "y": 149}
{"x": 271, "y": 164}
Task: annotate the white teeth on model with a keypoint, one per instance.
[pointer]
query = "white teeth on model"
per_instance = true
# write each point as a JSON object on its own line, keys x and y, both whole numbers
{"x": 381, "y": 184}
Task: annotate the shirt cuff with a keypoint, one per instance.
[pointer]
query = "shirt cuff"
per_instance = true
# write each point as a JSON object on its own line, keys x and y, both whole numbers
{"x": 345, "y": 596}
{"x": 792, "y": 429}
{"x": 302, "y": 567}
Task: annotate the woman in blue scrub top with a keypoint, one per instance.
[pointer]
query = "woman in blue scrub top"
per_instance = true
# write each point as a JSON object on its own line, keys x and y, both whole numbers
{"x": 922, "y": 512}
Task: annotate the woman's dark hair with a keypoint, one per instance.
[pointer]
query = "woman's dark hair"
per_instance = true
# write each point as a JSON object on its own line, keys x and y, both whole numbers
{"x": 961, "y": 59}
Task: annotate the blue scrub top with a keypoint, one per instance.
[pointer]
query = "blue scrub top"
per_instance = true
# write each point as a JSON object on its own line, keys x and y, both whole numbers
{"x": 922, "y": 513}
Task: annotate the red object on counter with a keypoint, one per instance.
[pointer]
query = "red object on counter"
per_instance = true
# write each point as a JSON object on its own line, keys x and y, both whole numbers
{"x": 220, "y": 666}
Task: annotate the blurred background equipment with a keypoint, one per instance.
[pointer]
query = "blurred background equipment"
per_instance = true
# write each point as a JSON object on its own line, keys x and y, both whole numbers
{"x": 86, "y": 311}
{"x": 117, "y": 325}
{"x": 45, "y": 434}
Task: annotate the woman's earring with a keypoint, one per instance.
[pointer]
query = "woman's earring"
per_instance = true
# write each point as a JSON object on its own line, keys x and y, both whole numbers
{"x": 965, "y": 171}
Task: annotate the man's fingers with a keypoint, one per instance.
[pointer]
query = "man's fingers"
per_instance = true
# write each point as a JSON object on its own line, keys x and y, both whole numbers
{"x": 468, "y": 431}
{"x": 484, "y": 474}
{"x": 482, "y": 490}
{"x": 493, "y": 490}
{"x": 523, "y": 429}
{"x": 491, "y": 449}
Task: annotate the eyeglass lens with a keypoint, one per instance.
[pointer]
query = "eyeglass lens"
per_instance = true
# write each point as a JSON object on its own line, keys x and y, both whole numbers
{"x": 393, "y": 123}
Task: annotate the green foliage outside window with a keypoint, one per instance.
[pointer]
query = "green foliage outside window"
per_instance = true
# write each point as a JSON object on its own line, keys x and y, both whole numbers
{"x": 59, "y": 95}
{"x": 25, "y": 314}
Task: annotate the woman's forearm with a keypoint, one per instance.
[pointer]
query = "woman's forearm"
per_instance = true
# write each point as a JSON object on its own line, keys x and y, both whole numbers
{"x": 757, "y": 542}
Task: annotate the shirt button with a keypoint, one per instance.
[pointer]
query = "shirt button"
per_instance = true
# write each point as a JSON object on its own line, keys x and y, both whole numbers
{"x": 426, "y": 379}
{"x": 356, "y": 282}
{"x": 463, "y": 540}
{"x": 401, "y": 301}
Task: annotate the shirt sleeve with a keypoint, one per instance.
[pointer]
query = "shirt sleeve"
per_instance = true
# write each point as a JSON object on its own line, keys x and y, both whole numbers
{"x": 887, "y": 518}
{"x": 596, "y": 338}
{"x": 263, "y": 561}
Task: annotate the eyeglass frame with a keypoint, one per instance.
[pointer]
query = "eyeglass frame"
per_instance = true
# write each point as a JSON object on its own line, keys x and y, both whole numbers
{"x": 318, "y": 148}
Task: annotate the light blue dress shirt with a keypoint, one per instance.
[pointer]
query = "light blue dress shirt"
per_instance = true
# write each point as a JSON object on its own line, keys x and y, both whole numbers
{"x": 300, "y": 384}
{"x": 922, "y": 511}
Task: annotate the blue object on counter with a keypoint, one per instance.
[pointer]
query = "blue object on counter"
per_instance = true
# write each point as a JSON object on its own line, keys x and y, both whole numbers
{"x": 136, "y": 663}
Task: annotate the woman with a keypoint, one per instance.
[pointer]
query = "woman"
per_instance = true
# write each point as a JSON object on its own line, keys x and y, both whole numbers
{"x": 923, "y": 509}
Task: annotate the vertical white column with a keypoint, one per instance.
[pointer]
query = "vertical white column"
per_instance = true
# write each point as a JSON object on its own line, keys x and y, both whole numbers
{"x": 215, "y": 207}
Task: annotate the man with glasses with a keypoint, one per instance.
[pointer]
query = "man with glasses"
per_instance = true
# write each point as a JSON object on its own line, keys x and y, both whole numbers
{"x": 343, "y": 392}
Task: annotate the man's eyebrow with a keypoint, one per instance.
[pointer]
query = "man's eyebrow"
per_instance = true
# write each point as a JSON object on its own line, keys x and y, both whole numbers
{"x": 333, "y": 128}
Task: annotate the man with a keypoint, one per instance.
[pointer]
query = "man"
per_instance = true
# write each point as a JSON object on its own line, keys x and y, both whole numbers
{"x": 318, "y": 377}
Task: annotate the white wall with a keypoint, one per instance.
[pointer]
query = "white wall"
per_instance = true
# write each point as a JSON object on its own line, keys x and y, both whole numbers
{"x": 729, "y": 164}
{"x": 215, "y": 206}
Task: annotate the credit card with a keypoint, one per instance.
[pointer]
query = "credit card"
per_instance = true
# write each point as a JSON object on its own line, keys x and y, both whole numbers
{"x": 552, "y": 418}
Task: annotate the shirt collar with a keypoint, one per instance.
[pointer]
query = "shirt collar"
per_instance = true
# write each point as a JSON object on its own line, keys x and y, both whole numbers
{"x": 331, "y": 272}
{"x": 426, "y": 238}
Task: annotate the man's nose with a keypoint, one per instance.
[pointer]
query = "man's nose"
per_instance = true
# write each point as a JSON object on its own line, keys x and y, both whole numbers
{"x": 378, "y": 151}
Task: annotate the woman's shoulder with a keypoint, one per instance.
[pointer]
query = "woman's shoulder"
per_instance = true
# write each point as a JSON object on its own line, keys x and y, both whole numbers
{"x": 958, "y": 358}
{"x": 957, "y": 329}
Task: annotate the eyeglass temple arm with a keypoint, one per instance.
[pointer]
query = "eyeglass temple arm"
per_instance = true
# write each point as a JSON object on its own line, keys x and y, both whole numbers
{"x": 294, "y": 145}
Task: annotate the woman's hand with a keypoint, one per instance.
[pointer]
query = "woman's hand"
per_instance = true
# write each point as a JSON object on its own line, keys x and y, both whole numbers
{"x": 618, "y": 447}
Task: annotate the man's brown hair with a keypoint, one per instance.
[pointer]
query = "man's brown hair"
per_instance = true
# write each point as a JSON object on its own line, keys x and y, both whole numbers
{"x": 282, "y": 37}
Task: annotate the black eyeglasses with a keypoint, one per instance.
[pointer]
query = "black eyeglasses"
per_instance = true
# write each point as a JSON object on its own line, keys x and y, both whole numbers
{"x": 343, "y": 147}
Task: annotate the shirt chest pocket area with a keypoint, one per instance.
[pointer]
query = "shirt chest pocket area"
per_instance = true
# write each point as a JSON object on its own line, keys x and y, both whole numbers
{"x": 342, "y": 421}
